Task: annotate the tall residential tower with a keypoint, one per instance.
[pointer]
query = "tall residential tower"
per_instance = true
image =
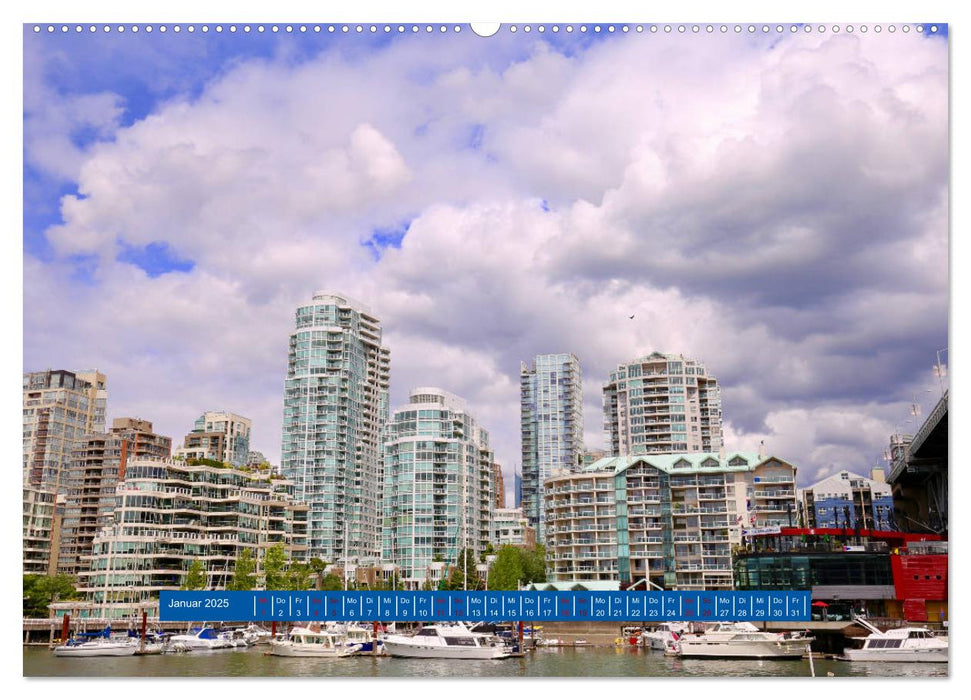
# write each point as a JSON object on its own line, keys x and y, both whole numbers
{"x": 439, "y": 484}
{"x": 335, "y": 405}
{"x": 662, "y": 404}
{"x": 552, "y": 427}
{"x": 60, "y": 408}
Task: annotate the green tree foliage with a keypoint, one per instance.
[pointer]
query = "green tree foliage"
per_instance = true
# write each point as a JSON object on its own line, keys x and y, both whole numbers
{"x": 282, "y": 575}
{"x": 507, "y": 572}
{"x": 517, "y": 565}
{"x": 463, "y": 575}
{"x": 40, "y": 591}
{"x": 200, "y": 461}
{"x": 195, "y": 578}
{"x": 274, "y": 568}
{"x": 317, "y": 565}
{"x": 331, "y": 582}
{"x": 534, "y": 564}
{"x": 299, "y": 577}
{"x": 244, "y": 576}
{"x": 489, "y": 549}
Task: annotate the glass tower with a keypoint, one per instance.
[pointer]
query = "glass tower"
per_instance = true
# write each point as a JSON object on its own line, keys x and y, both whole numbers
{"x": 335, "y": 404}
{"x": 552, "y": 427}
{"x": 439, "y": 484}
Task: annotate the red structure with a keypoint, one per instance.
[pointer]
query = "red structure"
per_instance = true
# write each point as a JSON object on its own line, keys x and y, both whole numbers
{"x": 917, "y": 562}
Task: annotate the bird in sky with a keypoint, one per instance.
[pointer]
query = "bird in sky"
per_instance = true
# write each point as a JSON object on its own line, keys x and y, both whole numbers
{"x": 631, "y": 316}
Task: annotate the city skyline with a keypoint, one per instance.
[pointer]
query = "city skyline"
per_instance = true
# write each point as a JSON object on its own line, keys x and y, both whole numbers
{"x": 802, "y": 259}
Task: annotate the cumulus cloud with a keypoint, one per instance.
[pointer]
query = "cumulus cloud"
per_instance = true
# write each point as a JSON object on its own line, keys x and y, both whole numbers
{"x": 776, "y": 209}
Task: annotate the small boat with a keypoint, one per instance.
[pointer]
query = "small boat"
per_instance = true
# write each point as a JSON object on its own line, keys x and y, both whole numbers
{"x": 743, "y": 640}
{"x": 154, "y": 643}
{"x": 102, "y": 643}
{"x": 200, "y": 639}
{"x": 357, "y": 635}
{"x": 551, "y": 642}
{"x": 446, "y": 641}
{"x": 909, "y": 644}
{"x": 662, "y": 637}
{"x": 254, "y": 634}
{"x": 580, "y": 642}
{"x": 312, "y": 641}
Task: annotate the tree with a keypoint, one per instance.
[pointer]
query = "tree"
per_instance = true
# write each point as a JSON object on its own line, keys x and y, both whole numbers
{"x": 195, "y": 578}
{"x": 40, "y": 591}
{"x": 534, "y": 564}
{"x": 331, "y": 582}
{"x": 274, "y": 568}
{"x": 244, "y": 576}
{"x": 298, "y": 577}
{"x": 464, "y": 575}
{"x": 507, "y": 570}
{"x": 489, "y": 549}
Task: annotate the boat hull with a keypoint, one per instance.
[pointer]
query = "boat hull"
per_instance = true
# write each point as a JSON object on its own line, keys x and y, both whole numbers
{"x": 418, "y": 651}
{"x": 897, "y": 655}
{"x": 84, "y": 651}
{"x": 284, "y": 649}
{"x": 754, "y": 650}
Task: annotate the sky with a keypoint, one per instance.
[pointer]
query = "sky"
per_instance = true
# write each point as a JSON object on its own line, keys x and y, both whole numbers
{"x": 772, "y": 204}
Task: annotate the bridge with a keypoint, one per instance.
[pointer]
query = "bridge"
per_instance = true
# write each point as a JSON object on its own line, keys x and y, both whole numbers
{"x": 918, "y": 474}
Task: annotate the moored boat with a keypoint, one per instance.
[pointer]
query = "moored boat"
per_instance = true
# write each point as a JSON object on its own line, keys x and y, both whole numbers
{"x": 664, "y": 637}
{"x": 97, "y": 644}
{"x": 446, "y": 641}
{"x": 312, "y": 641}
{"x": 199, "y": 639}
{"x": 743, "y": 640}
{"x": 907, "y": 644}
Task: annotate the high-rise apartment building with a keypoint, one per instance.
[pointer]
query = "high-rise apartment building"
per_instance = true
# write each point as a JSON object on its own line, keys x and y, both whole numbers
{"x": 672, "y": 519}
{"x": 41, "y": 531}
{"x": 98, "y": 463}
{"x": 169, "y": 514}
{"x": 439, "y": 484}
{"x": 662, "y": 404}
{"x": 60, "y": 407}
{"x": 218, "y": 435}
{"x": 551, "y": 405}
{"x": 335, "y": 405}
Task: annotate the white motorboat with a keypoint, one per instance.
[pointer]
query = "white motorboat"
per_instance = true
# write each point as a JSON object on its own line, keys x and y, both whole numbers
{"x": 743, "y": 640}
{"x": 99, "y": 644}
{"x": 254, "y": 634}
{"x": 454, "y": 641}
{"x": 199, "y": 639}
{"x": 356, "y": 635}
{"x": 910, "y": 644}
{"x": 664, "y": 637}
{"x": 306, "y": 641}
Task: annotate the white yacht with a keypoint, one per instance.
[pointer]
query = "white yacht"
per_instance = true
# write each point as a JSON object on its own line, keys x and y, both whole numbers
{"x": 444, "y": 641}
{"x": 357, "y": 635}
{"x": 664, "y": 637}
{"x": 743, "y": 640}
{"x": 312, "y": 641}
{"x": 199, "y": 639}
{"x": 911, "y": 644}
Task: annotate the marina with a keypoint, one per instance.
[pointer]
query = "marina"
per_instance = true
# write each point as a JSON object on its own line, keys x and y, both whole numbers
{"x": 587, "y": 661}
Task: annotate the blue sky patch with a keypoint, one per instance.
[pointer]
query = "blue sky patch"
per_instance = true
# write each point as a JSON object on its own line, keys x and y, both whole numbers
{"x": 383, "y": 238}
{"x": 155, "y": 259}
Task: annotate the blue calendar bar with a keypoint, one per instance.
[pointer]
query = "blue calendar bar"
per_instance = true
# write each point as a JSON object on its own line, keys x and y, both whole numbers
{"x": 474, "y": 606}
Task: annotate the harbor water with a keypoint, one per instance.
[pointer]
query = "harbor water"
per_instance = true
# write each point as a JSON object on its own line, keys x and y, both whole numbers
{"x": 619, "y": 662}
